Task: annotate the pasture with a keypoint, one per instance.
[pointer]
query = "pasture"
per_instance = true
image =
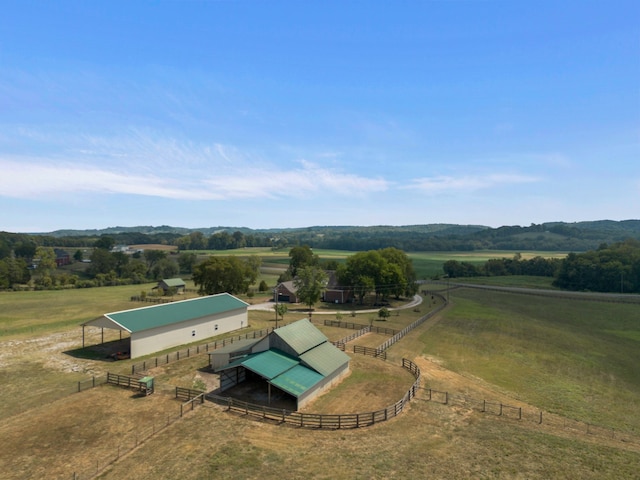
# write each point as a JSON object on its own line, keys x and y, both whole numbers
{"x": 571, "y": 358}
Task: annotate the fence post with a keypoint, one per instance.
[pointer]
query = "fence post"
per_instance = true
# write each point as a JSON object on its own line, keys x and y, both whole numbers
{"x": 540, "y": 417}
{"x": 500, "y": 414}
{"x": 484, "y": 406}
{"x": 94, "y": 381}
{"x": 520, "y": 413}
{"x": 446, "y": 398}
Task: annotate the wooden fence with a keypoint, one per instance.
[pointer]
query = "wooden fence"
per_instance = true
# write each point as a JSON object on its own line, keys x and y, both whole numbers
{"x": 191, "y": 403}
{"x": 194, "y": 350}
{"x": 92, "y": 383}
{"x": 568, "y": 295}
{"x": 503, "y": 410}
{"x": 320, "y": 420}
{"x": 130, "y": 382}
{"x": 341, "y": 343}
{"x": 187, "y": 393}
{"x": 359, "y": 326}
{"x": 372, "y": 352}
{"x": 398, "y": 336}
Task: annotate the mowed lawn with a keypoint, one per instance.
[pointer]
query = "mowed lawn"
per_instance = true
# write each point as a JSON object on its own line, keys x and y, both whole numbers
{"x": 573, "y": 357}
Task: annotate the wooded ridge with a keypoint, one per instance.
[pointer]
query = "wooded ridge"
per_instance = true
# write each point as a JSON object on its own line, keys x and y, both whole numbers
{"x": 551, "y": 236}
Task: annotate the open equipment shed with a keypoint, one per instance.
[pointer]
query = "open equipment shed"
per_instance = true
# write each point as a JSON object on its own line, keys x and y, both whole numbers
{"x": 158, "y": 327}
{"x": 297, "y": 359}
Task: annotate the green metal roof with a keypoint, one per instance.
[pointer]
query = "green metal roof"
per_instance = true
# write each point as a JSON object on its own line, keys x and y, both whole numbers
{"x": 325, "y": 358}
{"x": 301, "y": 336}
{"x": 295, "y": 375}
{"x": 174, "y": 282}
{"x": 139, "y": 319}
{"x": 297, "y": 380}
{"x": 269, "y": 364}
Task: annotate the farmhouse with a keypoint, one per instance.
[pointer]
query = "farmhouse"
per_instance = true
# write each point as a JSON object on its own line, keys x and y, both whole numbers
{"x": 159, "y": 327}
{"x": 296, "y": 360}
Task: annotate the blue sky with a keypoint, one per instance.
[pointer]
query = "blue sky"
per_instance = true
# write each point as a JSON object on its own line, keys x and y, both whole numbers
{"x": 269, "y": 114}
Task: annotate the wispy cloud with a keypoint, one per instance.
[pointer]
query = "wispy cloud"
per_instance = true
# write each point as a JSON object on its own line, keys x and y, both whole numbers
{"x": 38, "y": 178}
{"x": 466, "y": 183}
{"x": 301, "y": 181}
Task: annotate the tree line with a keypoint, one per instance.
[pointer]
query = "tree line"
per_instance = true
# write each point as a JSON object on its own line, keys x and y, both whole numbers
{"x": 553, "y": 236}
{"x": 614, "y": 268}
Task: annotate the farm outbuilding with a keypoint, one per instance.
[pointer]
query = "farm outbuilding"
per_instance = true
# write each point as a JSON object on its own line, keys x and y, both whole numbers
{"x": 297, "y": 360}
{"x": 166, "y": 284}
{"x": 286, "y": 292}
{"x": 158, "y": 327}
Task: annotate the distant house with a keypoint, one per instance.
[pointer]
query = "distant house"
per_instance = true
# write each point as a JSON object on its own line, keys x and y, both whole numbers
{"x": 286, "y": 292}
{"x": 62, "y": 257}
{"x": 335, "y": 293}
{"x": 296, "y": 361}
{"x": 168, "y": 325}
{"x": 169, "y": 283}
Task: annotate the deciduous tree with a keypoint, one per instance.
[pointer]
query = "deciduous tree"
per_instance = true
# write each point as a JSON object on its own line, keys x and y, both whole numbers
{"x": 310, "y": 283}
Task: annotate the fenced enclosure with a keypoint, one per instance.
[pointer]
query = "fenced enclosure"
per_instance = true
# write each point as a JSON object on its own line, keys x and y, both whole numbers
{"x": 319, "y": 420}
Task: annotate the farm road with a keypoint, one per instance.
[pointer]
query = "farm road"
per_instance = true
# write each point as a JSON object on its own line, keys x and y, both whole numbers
{"x": 268, "y": 307}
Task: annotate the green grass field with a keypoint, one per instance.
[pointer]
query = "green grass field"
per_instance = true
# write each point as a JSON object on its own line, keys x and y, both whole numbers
{"x": 576, "y": 358}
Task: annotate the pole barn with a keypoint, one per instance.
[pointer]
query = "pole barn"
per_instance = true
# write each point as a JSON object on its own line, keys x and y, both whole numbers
{"x": 158, "y": 327}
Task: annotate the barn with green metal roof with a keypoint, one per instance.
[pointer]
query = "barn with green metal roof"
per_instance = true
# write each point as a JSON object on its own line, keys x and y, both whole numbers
{"x": 296, "y": 360}
{"x": 158, "y": 327}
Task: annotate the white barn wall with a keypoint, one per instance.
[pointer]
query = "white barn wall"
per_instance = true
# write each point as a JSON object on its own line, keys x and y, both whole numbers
{"x": 157, "y": 339}
{"x": 323, "y": 386}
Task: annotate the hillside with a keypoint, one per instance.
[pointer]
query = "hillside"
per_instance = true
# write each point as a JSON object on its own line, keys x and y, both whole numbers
{"x": 551, "y": 236}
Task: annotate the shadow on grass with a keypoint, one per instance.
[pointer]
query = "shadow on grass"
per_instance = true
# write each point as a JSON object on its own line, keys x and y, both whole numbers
{"x": 107, "y": 351}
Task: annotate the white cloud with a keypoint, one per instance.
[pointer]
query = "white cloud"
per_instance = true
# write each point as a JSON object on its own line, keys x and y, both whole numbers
{"x": 283, "y": 181}
{"x": 39, "y": 178}
{"x": 465, "y": 183}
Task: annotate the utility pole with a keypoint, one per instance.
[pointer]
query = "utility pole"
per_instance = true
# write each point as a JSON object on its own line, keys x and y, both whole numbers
{"x": 275, "y": 293}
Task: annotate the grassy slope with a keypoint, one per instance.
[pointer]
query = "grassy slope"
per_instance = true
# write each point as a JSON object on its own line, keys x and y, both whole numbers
{"x": 576, "y": 358}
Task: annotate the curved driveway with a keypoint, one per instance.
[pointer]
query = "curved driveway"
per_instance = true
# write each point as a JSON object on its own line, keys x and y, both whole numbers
{"x": 268, "y": 306}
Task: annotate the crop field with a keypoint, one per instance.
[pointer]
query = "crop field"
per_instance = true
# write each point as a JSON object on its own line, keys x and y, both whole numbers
{"x": 571, "y": 359}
